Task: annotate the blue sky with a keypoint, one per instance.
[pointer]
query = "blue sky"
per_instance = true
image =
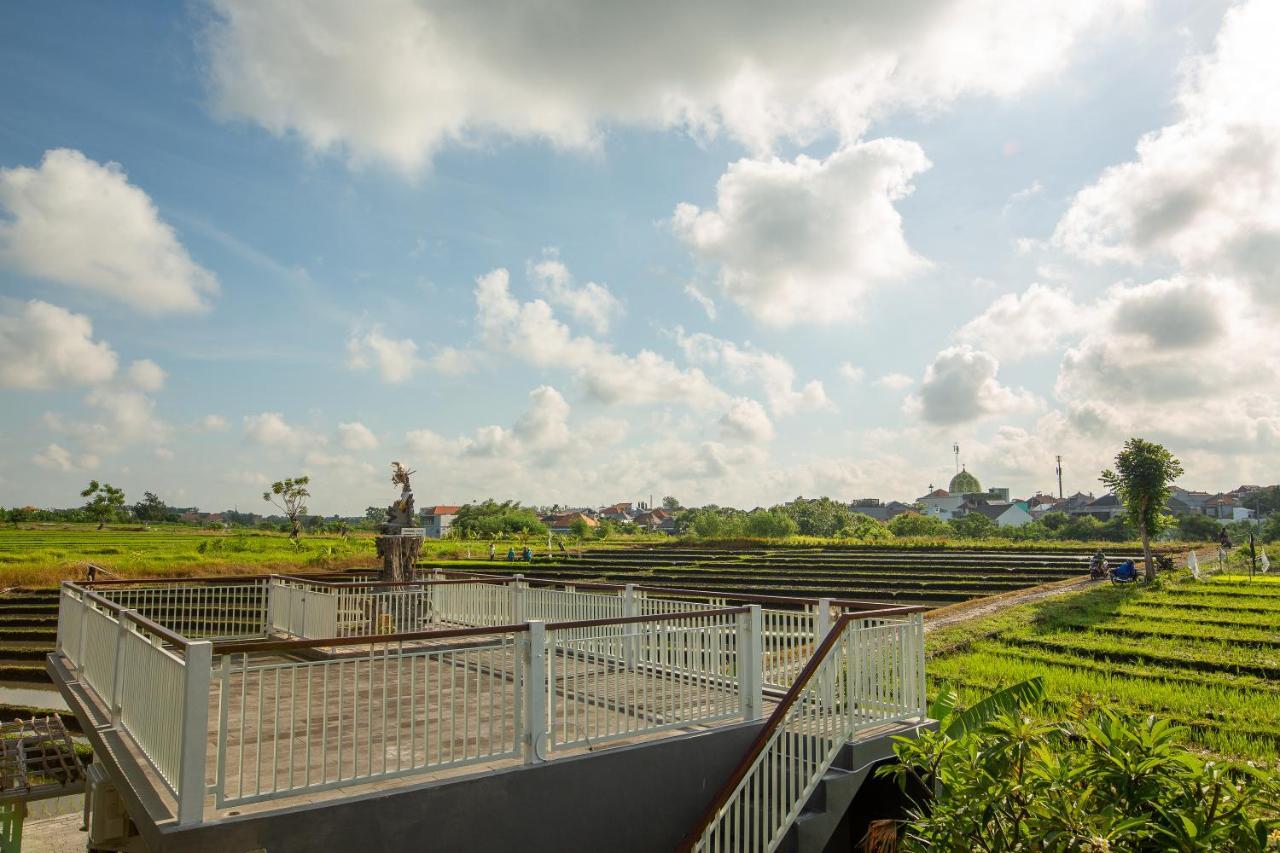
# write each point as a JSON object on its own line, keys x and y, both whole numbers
{"x": 745, "y": 259}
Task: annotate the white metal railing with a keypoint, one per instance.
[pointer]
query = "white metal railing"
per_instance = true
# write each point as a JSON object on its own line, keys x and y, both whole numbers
{"x": 212, "y": 611}
{"x": 521, "y": 671}
{"x": 288, "y": 727}
{"x": 153, "y": 684}
{"x": 870, "y": 675}
{"x": 616, "y": 681}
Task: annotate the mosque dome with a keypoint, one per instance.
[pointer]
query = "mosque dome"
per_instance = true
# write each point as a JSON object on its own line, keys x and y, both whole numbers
{"x": 964, "y": 483}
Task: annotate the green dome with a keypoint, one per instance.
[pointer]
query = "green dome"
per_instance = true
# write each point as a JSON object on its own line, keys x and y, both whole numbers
{"x": 965, "y": 483}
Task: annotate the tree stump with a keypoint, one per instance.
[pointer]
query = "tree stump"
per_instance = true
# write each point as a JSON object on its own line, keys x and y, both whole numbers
{"x": 399, "y": 556}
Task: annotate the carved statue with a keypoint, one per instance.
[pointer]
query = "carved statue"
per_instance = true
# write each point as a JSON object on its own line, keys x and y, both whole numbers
{"x": 401, "y": 513}
{"x": 399, "y": 553}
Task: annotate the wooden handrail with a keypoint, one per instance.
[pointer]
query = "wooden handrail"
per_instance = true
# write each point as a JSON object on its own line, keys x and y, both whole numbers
{"x": 237, "y": 647}
{"x": 845, "y": 603}
{"x": 766, "y": 733}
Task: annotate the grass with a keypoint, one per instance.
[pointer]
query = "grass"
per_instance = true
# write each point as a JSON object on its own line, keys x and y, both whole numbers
{"x": 1205, "y": 654}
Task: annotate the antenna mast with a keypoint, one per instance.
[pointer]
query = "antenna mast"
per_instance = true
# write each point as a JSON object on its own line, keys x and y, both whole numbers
{"x": 955, "y": 448}
{"x": 1060, "y": 495}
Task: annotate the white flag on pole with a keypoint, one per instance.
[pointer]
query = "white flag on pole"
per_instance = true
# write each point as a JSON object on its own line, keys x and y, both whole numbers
{"x": 1194, "y": 565}
{"x": 1266, "y": 564}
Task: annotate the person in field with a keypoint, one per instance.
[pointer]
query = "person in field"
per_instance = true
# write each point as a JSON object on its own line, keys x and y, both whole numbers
{"x": 493, "y": 549}
{"x": 511, "y": 554}
{"x": 1098, "y": 565}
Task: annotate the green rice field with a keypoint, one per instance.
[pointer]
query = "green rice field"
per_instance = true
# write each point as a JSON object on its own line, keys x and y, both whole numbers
{"x": 1205, "y": 654}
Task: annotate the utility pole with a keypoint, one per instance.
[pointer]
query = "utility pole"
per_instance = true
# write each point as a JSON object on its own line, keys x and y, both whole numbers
{"x": 955, "y": 448}
{"x": 1060, "y": 495}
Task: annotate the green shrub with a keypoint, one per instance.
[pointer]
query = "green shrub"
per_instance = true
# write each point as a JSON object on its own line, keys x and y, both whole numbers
{"x": 1014, "y": 778}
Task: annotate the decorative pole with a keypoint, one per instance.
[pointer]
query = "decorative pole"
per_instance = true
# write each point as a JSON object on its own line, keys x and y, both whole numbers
{"x": 400, "y": 541}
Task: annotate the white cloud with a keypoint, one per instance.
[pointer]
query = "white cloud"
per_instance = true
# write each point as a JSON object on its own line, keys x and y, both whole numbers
{"x": 805, "y": 241}
{"x": 705, "y": 302}
{"x": 164, "y": 453}
{"x": 851, "y": 372}
{"x": 42, "y": 346}
{"x": 54, "y": 457}
{"x": 961, "y": 385}
{"x": 544, "y": 425}
{"x": 270, "y": 429}
{"x": 399, "y": 81}
{"x": 1029, "y": 323}
{"x": 452, "y": 361}
{"x": 531, "y": 332}
{"x": 774, "y": 374}
{"x": 894, "y": 381}
{"x": 746, "y": 420}
{"x": 1204, "y": 190}
{"x": 1175, "y": 341}
{"x": 214, "y": 423}
{"x": 591, "y": 304}
{"x": 1022, "y": 196}
{"x": 147, "y": 375}
{"x": 82, "y": 224}
{"x": 395, "y": 359}
{"x": 356, "y": 436}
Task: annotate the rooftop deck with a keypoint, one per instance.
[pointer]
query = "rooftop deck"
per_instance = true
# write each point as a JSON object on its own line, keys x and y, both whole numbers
{"x": 226, "y": 698}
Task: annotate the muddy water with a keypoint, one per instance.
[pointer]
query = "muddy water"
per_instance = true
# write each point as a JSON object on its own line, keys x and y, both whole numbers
{"x": 31, "y": 694}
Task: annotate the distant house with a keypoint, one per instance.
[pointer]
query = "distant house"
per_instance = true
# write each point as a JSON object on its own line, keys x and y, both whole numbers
{"x": 1104, "y": 508}
{"x": 942, "y": 504}
{"x": 1004, "y": 513}
{"x": 883, "y": 512}
{"x": 1195, "y": 500}
{"x": 438, "y": 520}
{"x": 1077, "y": 501}
{"x": 658, "y": 520}
{"x": 618, "y": 512}
{"x": 1226, "y": 507}
{"x": 562, "y": 523}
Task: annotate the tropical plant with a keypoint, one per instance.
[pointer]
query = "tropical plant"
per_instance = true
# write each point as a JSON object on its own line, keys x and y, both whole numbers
{"x": 1003, "y": 775}
{"x": 106, "y": 502}
{"x": 290, "y": 495}
{"x": 1143, "y": 481}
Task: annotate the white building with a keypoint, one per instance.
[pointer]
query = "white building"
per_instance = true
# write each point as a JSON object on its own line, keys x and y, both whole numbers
{"x": 438, "y": 520}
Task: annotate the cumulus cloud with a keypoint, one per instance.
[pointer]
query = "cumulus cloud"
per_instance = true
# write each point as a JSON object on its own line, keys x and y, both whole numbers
{"x": 1029, "y": 323}
{"x": 746, "y": 420}
{"x": 43, "y": 346}
{"x": 774, "y": 374}
{"x": 530, "y": 331}
{"x": 1171, "y": 340}
{"x": 356, "y": 436}
{"x": 706, "y": 303}
{"x": 82, "y": 224}
{"x": 961, "y": 386}
{"x": 895, "y": 381}
{"x": 1204, "y": 190}
{"x": 805, "y": 241}
{"x": 55, "y": 457}
{"x": 147, "y": 375}
{"x": 213, "y": 423}
{"x": 270, "y": 429}
{"x": 852, "y": 372}
{"x": 592, "y": 304}
{"x": 395, "y": 359}
{"x": 398, "y": 82}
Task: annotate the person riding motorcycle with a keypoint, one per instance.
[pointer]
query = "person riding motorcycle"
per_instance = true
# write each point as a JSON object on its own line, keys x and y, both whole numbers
{"x": 1098, "y": 565}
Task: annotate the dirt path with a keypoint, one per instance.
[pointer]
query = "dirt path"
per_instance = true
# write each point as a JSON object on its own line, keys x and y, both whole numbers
{"x": 980, "y": 607}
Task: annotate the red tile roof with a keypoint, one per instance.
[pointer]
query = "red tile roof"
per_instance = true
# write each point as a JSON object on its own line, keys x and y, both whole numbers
{"x": 441, "y": 510}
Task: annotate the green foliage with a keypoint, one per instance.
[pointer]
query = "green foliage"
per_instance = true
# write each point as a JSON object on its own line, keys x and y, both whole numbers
{"x": 493, "y": 520}
{"x": 106, "y": 502}
{"x": 973, "y": 525}
{"x": 914, "y": 524}
{"x": 292, "y": 495}
{"x": 769, "y": 524}
{"x": 1020, "y": 778}
{"x": 580, "y": 528}
{"x": 1198, "y": 528}
{"x": 670, "y": 503}
{"x": 1143, "y": 481}
{"x": 152, "y": 508}
{"x": 1265, "y": 501}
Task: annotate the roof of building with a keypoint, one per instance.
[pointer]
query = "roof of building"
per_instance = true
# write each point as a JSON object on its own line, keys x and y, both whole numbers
{"x": 1109, "y": 499}
{"x": 964, "y": 483}
{"x": 565, "y": 519}
{"x": 440, "y": 509}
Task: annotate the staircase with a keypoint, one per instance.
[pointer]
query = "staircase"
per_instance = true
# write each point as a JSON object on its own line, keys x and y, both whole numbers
{"x": 792, "y": 790}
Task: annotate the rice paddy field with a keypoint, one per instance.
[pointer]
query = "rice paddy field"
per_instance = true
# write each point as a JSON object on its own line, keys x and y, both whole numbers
{"x": 1205, "y": 654}
{"x": 931, "y": 577}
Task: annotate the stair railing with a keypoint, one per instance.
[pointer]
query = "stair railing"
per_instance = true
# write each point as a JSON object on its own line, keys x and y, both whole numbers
{"x": 822, "y": 710}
